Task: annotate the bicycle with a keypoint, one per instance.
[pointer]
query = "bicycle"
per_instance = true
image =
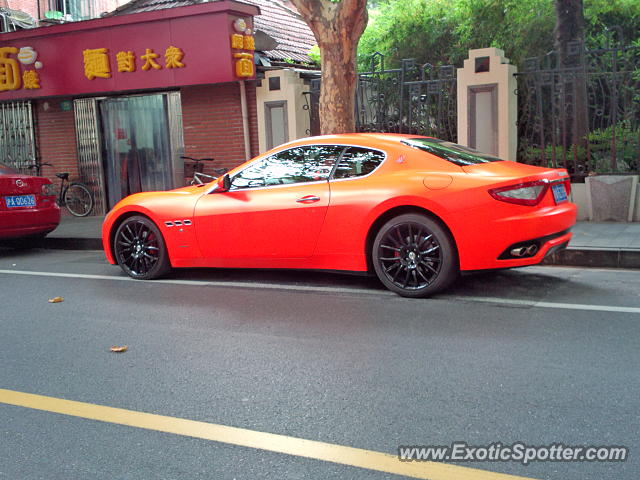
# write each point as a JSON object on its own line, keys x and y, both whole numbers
{"x": 198, "y": 166}
{"x": 75, "y": 196}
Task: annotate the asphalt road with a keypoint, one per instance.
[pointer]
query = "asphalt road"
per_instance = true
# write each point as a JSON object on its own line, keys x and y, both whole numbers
{"x": 540, "y": 355}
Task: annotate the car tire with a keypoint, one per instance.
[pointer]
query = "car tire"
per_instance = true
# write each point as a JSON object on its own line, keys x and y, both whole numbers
{"x": 140, "y": 249}
{"x": 414, "y": 256}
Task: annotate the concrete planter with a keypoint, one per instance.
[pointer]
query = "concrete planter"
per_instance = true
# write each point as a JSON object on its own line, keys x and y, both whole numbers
{"x": 612, "y": 198}
{"x": 583, "y": 197}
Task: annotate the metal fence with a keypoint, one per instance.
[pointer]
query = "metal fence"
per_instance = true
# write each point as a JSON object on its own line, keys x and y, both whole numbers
{"x": 581, "y": 112}
{"x": 417, "y": 99}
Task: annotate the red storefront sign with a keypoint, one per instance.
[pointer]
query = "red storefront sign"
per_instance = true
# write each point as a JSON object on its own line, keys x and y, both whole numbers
{"x": 200, "y": 44}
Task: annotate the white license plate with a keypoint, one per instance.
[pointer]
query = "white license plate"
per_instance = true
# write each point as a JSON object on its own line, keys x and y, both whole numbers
{"x": 559, "y": 192}
{"x": 20, "y": 201}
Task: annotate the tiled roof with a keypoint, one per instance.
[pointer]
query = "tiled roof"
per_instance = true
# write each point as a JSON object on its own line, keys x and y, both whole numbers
{"x": 278, "y": 18}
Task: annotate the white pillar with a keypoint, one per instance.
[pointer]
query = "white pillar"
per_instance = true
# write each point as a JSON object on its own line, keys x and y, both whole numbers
{"x": 488, "y": 103}
{"x": 282, "y": 116}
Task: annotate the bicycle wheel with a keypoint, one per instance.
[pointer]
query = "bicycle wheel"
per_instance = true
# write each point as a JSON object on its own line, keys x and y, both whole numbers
{"x": 78, "y": 200}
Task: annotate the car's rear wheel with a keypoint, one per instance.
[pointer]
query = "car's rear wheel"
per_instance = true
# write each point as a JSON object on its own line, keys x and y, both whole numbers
{"x": 414, "y": 256}
{"x": 140, "y": 249}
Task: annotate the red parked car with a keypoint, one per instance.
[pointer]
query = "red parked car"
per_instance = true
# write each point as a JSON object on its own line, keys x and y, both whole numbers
{"x": 28, "y": 205}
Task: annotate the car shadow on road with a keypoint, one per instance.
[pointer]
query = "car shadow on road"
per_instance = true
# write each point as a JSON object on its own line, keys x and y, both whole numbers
{"x": 524, "y": 283}
{"x": 515, "y": 284}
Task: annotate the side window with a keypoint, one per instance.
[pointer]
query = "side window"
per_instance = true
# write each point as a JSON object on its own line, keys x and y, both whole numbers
{"x": 357, "y": 162}
{"x": 296, "y": 165}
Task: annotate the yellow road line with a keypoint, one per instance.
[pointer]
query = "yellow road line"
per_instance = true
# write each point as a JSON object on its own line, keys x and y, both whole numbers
{"x": 299, "y": 447}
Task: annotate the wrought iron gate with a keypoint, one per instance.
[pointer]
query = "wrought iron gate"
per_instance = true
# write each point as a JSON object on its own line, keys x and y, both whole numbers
{"x": 17, "y": 138}
{"x": 418, "y": 99}
{"x": 582, "y": 113}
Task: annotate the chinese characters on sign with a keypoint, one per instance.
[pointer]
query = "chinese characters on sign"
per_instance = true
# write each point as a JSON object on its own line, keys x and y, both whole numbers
{"x": 97, "y": 64}
{"x": 243, "y": 40}
{"x": 11, "y": 77}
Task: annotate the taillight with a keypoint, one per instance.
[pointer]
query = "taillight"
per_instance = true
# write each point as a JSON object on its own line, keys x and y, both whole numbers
{"x": 567, "y": 186}
{"x": 48, "y": 190}
{"x": 529, "y": 193}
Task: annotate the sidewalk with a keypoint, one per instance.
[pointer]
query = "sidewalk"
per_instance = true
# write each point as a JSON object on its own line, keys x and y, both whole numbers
{"x": 611, "y": 244}
{"x": 76, "y": 233}
{"x": 605, "y": 244}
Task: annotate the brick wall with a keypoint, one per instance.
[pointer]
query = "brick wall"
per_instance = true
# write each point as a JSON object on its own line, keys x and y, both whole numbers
{"x": 212, "y": 122}
{"x": 253, "y": 118}
{"x": 55, "y": 139}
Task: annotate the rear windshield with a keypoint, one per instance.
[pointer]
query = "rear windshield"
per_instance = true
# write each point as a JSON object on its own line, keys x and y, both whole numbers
{"x": 451, "y": 152}
{"x": 6, "y": 170}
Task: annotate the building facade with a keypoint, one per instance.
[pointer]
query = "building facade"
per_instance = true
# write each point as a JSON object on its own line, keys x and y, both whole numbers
{"x": 115, "y": 101}
{"x": 64, "y": 10}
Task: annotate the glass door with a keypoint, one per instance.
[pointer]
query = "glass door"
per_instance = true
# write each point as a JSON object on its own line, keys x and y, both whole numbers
{"x": 137, "y": 149}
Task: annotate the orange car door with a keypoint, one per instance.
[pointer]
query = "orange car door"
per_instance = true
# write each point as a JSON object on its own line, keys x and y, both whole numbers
{"x": 275, "y": 208}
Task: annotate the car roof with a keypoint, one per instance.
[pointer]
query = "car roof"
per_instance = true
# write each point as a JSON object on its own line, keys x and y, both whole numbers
{"x": 365, "y": 139}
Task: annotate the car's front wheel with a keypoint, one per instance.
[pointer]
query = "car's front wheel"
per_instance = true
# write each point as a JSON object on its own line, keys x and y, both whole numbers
{"x": 140, "y": 249}
{"x": 414, "y": 256}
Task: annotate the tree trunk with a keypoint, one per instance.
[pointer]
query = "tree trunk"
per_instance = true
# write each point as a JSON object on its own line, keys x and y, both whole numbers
{"x": 337, "y": 27}
{"x": 337, "y": 90}
{"x": 570, "y": 28}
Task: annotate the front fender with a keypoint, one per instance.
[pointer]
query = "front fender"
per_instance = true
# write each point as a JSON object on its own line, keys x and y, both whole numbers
{"x": 164, "y": 209}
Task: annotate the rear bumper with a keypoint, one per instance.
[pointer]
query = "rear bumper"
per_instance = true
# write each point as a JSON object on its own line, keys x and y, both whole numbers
{"x": 487, "y": 247}
{"x": 28, "y": 222}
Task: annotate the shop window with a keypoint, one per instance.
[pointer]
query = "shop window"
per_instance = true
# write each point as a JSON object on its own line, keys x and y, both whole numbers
{"x": 17, "y": 141}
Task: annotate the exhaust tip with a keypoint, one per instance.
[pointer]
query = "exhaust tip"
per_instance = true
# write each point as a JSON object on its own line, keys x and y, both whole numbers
{"x": 526, "y": 251}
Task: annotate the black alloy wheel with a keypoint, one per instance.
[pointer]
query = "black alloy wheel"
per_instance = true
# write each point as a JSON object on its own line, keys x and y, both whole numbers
{"x": 414, "y": 256}
{"x": 140, "y": 249}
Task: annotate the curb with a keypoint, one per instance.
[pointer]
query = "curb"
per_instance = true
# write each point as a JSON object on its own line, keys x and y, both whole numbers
{"x": 595, "y": 257}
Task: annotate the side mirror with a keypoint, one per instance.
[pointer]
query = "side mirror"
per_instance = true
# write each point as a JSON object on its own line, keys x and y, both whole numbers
{"x": 223, "y": 184}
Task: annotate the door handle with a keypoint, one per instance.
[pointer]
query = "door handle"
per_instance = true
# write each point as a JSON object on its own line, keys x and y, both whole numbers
{"x": 308, "y": 199}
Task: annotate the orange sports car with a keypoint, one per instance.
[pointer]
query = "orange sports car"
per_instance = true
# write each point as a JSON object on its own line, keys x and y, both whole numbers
{"x": 415, "y": 210}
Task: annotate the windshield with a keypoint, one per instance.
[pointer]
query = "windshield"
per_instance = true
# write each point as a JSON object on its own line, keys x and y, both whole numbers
{"x": 452, "y": 152}
{"x": 6, "y": 170}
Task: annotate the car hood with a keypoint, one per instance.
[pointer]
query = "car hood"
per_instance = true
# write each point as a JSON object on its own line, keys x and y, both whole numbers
{"x": 192, "y": 189}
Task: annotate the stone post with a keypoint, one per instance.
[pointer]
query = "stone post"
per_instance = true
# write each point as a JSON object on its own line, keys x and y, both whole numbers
{"x": 488, "y": 104}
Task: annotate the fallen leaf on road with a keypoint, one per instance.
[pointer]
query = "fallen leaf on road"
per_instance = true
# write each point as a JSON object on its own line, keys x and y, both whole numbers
{"x": 56, "y": 300}
{"x": 122, "y": 349}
